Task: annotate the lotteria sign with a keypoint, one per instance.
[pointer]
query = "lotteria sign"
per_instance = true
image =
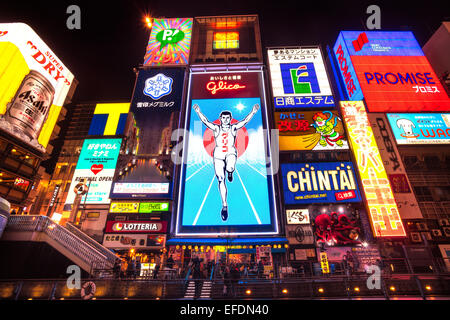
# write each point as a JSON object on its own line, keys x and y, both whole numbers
{"x": 391, "y": 71}
{"x": 136, "y": 227}
{"x": 319, "y": 182}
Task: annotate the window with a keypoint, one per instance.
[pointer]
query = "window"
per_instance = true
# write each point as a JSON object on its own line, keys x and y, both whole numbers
{"x": 226, "y": 40}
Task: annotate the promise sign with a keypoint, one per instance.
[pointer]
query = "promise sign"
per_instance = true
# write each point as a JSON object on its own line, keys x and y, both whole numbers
{"x": 383, "y": 211}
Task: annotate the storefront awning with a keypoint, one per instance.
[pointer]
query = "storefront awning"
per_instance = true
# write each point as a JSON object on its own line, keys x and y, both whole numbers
{"x": 226, "y": 241}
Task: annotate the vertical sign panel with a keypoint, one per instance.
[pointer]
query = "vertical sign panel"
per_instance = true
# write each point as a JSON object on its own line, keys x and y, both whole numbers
{"x": 96, "y": 166}
{"x": 226, "y": 182}
{"x": 403, "y": 193}
{"x": 383, "y": 211}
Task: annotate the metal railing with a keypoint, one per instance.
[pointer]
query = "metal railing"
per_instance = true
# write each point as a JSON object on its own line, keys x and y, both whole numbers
{"x": 338, "y": 287}
{"x": 94, "y": 256}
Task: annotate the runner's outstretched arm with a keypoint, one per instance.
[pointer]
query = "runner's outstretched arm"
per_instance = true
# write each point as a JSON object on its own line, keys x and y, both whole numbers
{"x": 242, "y": 123}
{"x": 202, "y": 117}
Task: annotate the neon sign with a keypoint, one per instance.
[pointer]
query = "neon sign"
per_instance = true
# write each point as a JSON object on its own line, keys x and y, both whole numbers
{"x": 213, "y": 87}
{"x": 383, "y": 211}
{"x": 226, "y": 40}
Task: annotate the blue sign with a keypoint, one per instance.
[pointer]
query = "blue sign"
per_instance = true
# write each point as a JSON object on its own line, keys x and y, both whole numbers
{"x": 299, "y": 78}
{"x": 346, "y": 70}
{"x": 420, "y": 128}
{"x": 381, "y": 43}
{"x": 324, "y": 182}
{"x": 158, "y": 86}
{"x": 225, "y": 187}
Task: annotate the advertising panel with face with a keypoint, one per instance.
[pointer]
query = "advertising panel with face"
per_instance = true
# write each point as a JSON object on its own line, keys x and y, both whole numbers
{"x": 156, "y": 108}
{"x": 226, "y": 185}
{"x": 310, "y": 130}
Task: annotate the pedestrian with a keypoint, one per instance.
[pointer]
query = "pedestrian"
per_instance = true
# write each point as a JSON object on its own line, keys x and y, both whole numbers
{"x": 260, "y": 269}
{"x": 156, "y": 270}
{"x": 169, "y": 262}
{"x": 116, "y": 268}
{"x": 235, "y": 276}
{"x": 197, "y": 274}
{"x": 226, "y": 281}
{"x": 138, "y": 269}
{"x": 131, "y": 269}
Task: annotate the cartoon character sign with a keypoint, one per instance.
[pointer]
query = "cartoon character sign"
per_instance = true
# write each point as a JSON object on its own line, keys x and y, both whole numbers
{"x": 310, "y": 130}
{"x": 336, "y": 229}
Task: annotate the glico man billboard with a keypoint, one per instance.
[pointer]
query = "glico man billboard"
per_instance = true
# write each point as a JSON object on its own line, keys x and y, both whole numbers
{"x": 169, "y": 42}
{"x": 389, "y": 70}
{"x": 299, "y": 78}
{"x": 156, "y": 107}
{"x": 34, "y": 84}
{"x": 226, "y": 180}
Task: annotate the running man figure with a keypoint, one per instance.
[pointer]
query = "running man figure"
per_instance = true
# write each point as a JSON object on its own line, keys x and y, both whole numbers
{"x": 225, "y": 154}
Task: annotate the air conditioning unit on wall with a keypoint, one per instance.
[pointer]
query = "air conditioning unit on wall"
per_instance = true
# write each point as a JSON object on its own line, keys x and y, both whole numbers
{"x": 436, "y": 233}
{"x": 415, "y": 237}
{"x": 421, "y": 226}
{"x": 443, "y": 222}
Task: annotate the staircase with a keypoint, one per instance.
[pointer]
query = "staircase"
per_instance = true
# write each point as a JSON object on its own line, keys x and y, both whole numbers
{"x": 206, "y": 290}
{"x": 190, "y": 290}
{"x": 77, "y": 246}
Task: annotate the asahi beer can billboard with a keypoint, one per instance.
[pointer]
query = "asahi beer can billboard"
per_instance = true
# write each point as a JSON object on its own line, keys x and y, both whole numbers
{"x": 33, "y": 86}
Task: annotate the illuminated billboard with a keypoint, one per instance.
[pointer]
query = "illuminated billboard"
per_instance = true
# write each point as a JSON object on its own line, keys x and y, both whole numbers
{"x": 299, "y": 78}
{"x": 156, "y": 107}
{"x": 403, "y": 192}
{"x": 226, "y": 40}
{"x": 169, "y": 42}
{"x": 136, "y": 227}
{"x": 109, "y": 119}
{"x": 322, "y": 182}
{"x": 138, "y": 207}
{"x": 310, "y": 130}
{"x": 96, "y": 166}
{"x": 34, "y": 84}
{"x": 420, "y": 128}
{"x": 390, "y": 70}
{"x": 226, "y": 180}
{"x": 383, "y": 211}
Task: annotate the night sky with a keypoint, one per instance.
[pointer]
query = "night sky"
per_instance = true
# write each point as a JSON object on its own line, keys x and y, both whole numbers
{"x": 113, "y": 36}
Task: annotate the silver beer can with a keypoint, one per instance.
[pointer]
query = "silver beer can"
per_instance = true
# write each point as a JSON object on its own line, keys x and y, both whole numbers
{"x": 31, "y": 104}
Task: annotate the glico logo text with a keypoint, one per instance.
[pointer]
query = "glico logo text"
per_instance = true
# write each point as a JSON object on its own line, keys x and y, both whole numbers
{"x": 343, "y": 65}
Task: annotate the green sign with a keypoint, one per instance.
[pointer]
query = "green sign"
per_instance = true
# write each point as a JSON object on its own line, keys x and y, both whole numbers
{"x": 148, "y": 207}
{"x": 169, "y": 36}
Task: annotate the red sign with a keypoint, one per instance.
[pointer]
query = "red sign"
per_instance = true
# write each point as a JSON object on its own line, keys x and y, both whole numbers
{"x": 345, "y": 195}
{"x": 136, "y": 226}
{"x": 400, "y": 84}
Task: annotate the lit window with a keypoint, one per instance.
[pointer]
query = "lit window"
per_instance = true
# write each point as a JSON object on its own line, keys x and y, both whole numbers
{"x": 226, "y": 40}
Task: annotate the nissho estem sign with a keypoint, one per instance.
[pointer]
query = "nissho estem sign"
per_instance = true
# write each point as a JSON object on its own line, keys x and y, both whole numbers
{"x": 96, "y": 166}
{"x": 420, "y": 128}
{"x": 299, "y": 78}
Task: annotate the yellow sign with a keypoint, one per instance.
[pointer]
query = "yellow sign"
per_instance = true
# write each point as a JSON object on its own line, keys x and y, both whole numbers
{"x": 22, "y": 50}
{"x": 124, "y": 207}
{"x": 324, "y": 262}
{"x": 383, "y": 211}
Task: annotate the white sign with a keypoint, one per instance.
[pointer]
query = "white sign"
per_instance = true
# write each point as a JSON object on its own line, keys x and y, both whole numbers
{"x": 141, "y": 188}
{"x": 299, "y": 78}
{"x": 297, "y": 216}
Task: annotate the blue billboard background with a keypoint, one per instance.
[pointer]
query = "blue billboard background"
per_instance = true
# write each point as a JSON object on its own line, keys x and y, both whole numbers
{"x": 324, "y": 182}
{"x": 382, "y": 43}
{"x": 420, "y": 128}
